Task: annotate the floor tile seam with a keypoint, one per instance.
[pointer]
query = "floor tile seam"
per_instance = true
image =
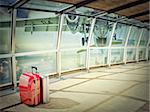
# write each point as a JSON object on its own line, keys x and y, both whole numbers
{"x": 102, "y": 78}
{"x": 98, "y": 93}
{"x": 134, "y": 98}
{"x": 82, "y": 83}
{"x": 75, "y": 84}
{"x": 118, "y": 94}
{"x": 119, "y": 80}
{"x": 135, "y": 73}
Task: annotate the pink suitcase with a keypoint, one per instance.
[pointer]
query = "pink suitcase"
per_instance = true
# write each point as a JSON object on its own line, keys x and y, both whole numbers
{"x": 29, "y": 87}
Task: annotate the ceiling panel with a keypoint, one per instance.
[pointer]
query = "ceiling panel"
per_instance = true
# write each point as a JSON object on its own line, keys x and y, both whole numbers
{"x": 100, "y": 4}
{"x": 134, "y": 10}
{"x": 108, "y": 4}
{"x": 143, "y": 17}
{"x": 68, "y": 1}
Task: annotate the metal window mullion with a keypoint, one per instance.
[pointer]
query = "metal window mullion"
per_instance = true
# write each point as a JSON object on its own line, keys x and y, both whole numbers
{"x": 137, "y": 46}
{"x": 88, "y": 45}
{"x": 58, "y": 51}
{"x": 147, "y": 48}
{"x": 109, "y": 45}
{"x": 13, "y": 26}
{"x": 125, "y": 46}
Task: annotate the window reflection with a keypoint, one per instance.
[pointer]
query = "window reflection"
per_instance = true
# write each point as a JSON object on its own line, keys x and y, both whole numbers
{"x": 131, "y": 54}
{"x": 45, "y": 63}
{"x": 5, "y": 30}
{"x": 142, "y": 53}
{"x": 98, "y": 57}
{"x": 120, "y": 35}
{"x": 116, "y": 55}
{"x": 134, "y": 36}
{"x": 73, "y": 59}
{"x": 36, "y": 34}
{"x": 102, "y": 33}
{"x": 144, "y": 38}
{"x": 5, "y": 70}
{"x": 75, "y": 31}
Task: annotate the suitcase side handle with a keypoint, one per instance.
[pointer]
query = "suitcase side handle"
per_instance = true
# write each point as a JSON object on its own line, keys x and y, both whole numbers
{"x": 33, "y": 67}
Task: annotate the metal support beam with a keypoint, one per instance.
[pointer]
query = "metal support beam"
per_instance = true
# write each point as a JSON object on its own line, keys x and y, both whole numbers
{"x": 138, "y": 14}
{"x": 19, "y": 3}
{"x": 13, "y": 26}
{"x": 128, "y": 5}
{"x": 137, "y": 46}
{"x": 88, "y": 45}
{"x": 58, "y": 53}
{"x": 78, "y": 5}
{"x": 109, "y": 45}
{"x": 125, "y": 46}
{"x": 146, "y": 20}
{"x": 147, "y": 48}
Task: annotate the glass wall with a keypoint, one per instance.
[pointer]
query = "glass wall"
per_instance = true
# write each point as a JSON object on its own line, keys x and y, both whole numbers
{"x": 74, "y": 41}
{"x": 5, "y": 46}
{"x": 98, "y": 57}
{"x": 36, "y": 33}
{"x": 142, "y": 53}
{"x": 72, "y": 59}
{"x": 120, "y": 35}
{"x": 117, "y": 55}
{"x": 5, "y": 31}
{"x": 131, "y": 54}
{"x": 101, "y": 34}
{"x": 5, "y": 71}
{"x": 144, "y": 38}
{"x": 134, "y": 36}
{"x": 46, "y": 63}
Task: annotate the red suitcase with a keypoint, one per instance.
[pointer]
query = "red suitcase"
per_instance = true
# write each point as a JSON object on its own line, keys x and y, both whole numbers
{"x": 29, "y": 87}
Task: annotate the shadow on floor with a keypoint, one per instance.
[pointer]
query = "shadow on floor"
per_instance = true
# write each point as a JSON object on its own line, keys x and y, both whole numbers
{"x": 58, "y": 103}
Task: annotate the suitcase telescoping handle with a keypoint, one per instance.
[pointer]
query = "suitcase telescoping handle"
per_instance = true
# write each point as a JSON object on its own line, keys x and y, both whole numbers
{"x": 33, "y": 67}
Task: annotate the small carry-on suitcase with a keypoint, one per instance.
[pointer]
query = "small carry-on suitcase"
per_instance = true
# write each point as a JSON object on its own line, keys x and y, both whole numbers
{"x": 29, "y": 87}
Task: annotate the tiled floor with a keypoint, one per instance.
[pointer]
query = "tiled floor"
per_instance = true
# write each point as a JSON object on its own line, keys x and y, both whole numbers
{"x": 121, "y": 88}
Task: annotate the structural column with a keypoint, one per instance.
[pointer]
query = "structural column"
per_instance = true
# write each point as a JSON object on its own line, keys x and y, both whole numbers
{"x": 58, "y": 52}
{"x": 109, "y": 45}
{"x": 125, "y": 46}
{"x": 13, "y": 26}
{"x": 88, "y": 45}
{"x": 147, "y": 48}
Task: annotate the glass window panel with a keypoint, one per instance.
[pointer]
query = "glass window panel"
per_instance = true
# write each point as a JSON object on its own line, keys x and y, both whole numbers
{"x": 37, "y": 34}
{"x": 131, "y": 54}
{"x": 142, "y": 53}
{"x": 86, "y": 11}
{"x": 75, "y": 31}
{"x": 72, "y": 59}
{"x": 46, "y": 5}
{"x": 102, "y": 33}
{"x": 5, "y": 71}
{"x": 7, "y": 2}
{"x": 134, "y": 36}
{"x": 46, "y": 63}
{"x": 116, "y": 55}
{"x": 98, "y": 57}
{"x": 144, "y": 38}
{"x": 5, "y": 31}
{"x": 120, "y": 35}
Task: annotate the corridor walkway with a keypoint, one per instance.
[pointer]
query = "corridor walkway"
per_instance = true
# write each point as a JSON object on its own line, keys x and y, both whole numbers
{"x": 121, "y": 88}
